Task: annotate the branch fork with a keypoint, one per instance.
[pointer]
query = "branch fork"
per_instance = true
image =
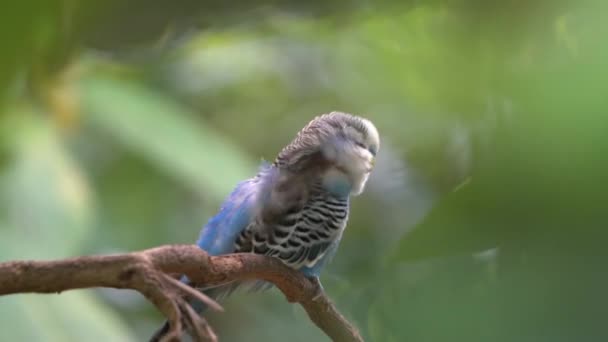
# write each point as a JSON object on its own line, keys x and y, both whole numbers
{"x": 148, "y": 272}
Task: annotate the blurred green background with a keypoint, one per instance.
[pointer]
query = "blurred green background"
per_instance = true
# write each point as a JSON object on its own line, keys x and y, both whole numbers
{"x": 125, "y": 123}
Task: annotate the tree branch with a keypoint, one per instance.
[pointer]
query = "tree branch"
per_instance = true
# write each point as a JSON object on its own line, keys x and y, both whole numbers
{"x": 146, "y": 272}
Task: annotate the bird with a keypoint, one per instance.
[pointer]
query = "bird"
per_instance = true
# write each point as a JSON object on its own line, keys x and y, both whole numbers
{"x": 296, "y": 208}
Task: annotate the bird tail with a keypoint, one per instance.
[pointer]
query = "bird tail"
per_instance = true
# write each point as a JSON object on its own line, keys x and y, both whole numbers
{"x": 216, "y": 293}
{"x": 160, "y": 332}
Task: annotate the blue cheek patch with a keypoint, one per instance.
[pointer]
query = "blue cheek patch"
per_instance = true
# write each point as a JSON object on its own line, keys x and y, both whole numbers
{"x": 338, "y": 186}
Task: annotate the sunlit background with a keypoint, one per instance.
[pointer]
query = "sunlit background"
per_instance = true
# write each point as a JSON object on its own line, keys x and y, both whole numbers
{"x": 125, "y": 123}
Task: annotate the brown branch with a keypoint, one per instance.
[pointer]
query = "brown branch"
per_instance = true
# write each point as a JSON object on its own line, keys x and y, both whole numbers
{"x": 146, "y": 272}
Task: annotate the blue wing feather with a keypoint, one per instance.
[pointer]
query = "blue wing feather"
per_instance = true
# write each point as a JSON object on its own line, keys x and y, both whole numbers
{"x": 237, "y": 211}
{"x": 219, "y": 234}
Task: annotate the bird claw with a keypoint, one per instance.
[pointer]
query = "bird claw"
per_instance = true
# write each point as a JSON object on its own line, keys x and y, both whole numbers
{"x": 319, "y": 291}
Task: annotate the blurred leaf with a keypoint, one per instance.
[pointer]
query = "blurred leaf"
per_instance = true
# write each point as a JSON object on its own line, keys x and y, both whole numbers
{"x": 439, "y": 300}
{"x": 44, "y": 193}
{"x": 49, "y": 216}
{"x": 461, "y": 223}
{"x": 164, "y": 132}
{"x": 71, "y": 316}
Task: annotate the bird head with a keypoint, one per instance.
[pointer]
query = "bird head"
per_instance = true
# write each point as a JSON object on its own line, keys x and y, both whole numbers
{"x": 344, "y": 144}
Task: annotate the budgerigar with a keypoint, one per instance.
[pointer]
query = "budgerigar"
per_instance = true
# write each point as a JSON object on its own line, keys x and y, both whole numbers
{"x": 296, "y": 208}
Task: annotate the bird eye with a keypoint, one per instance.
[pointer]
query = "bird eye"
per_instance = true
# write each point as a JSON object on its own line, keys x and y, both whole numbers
{"x": 360, "y": 144}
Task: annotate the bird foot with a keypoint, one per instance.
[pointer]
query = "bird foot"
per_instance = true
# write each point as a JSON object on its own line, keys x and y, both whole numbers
{"x": 319, "y": 291}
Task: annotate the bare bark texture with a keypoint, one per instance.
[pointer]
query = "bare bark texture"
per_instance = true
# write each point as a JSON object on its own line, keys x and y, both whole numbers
{"x": 148, "y": 272}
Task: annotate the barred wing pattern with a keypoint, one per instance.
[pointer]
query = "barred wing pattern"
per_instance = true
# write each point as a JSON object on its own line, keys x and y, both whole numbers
{"x": 301, "y": 237}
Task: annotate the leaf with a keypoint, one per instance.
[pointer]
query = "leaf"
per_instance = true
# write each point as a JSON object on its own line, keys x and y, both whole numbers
{"x": 449, "y": 299}
{"x": 43, "y": 191}
{"x": 463, "y": 222}
{"x": 163, "y": 132}
{"x": 72, "y": 316}
{"x": 48, "y": 206}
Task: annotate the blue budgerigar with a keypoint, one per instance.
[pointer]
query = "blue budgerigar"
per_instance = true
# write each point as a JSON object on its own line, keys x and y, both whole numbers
{"x": 296, "y": 208}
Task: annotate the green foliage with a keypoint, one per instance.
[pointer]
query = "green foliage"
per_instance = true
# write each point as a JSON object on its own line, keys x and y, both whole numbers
{"x": 48, "y": 215}
{"x": 493, "y": 112}
{"x": 165, "y": 133}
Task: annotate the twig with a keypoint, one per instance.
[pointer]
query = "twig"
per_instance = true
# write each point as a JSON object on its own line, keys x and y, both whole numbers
{"x": 146, "y": 272}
